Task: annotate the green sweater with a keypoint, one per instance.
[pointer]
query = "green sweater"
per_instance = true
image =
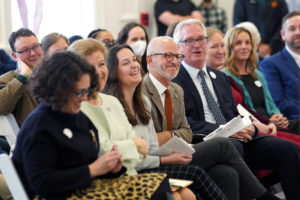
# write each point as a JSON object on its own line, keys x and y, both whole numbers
{"x": 270, "y": 106}
{"x": 114, "y": 128}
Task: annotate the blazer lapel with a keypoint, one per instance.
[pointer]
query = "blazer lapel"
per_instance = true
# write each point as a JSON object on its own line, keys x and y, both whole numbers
{"x": 191, "y": 89}
{"x": 290, "y": 62}
{"x": 155, "y": 98}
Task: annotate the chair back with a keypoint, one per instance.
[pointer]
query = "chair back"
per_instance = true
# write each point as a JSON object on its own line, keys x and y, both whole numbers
{"x": 9, "y": 129}
{"x": 12, "y": 179}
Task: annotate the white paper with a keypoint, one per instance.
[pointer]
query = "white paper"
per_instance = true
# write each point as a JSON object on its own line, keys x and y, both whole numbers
{"x": 176, "y": 144}
{"x": 230, "y": 128}
{"x": 245, "y": 113}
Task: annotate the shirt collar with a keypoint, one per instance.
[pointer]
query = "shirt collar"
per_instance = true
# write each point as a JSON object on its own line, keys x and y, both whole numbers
{"x": 193, "y": 72}
{"x": 295, "y": 56}
{"x": 159, "y": 86}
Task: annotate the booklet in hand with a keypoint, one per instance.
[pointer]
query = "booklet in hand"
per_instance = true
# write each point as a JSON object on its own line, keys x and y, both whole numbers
{"x": 235, "y": 125}
{"x": 175, "y": 144}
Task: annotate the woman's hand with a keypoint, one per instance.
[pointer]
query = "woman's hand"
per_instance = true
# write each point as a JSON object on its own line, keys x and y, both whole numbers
{"x": 280, "y": 121}
{"x": 141, "y": 145}
{"x": 176, "y": 159}
{"x": 111, "y": 161}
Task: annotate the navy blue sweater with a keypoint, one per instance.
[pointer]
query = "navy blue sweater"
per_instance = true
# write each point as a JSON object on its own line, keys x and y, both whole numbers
{"x": 53, "y": 152}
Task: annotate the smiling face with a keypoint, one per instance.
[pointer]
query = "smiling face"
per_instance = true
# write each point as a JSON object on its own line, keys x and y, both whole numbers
{"x": 291, "y": 33}
{"x": 59, "y": 45}
{"x": 194, "y": 54}
{"x": 215, "y": 51}
{"x": 162, "y": 69}
{"x": 33, "y": 56}
{"x": 129, "y": 70}
{"x": 98, "y": 61}
{"x": 242, "y": 47}
{"x": 79, "y": 95}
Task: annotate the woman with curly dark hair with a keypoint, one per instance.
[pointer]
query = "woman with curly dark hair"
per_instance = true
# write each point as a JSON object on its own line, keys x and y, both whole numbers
{"x": 56, "y": 154}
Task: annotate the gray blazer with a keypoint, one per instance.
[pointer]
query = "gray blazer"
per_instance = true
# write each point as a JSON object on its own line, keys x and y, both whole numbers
{"x": 180, "y": 125}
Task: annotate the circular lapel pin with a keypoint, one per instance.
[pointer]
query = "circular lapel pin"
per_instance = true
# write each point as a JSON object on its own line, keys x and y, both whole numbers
{"x": 213, "y": 75}
{"x": 258, "y": 83}
{"x": 68, "y": 133}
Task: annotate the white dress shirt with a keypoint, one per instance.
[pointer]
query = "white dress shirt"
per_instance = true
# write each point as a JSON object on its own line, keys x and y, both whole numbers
{"x": 160, "y": 88}
{"x": 294, "y": 55}
{"x": 193, "y": 72}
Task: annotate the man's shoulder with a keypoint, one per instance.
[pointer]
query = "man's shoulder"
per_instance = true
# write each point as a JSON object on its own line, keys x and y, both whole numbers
{"x": 275, "y": 59}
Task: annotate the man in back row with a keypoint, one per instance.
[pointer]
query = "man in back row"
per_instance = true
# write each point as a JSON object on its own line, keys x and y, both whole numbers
{"x": 209, "y": 103}
{"x": 15, "y": 96}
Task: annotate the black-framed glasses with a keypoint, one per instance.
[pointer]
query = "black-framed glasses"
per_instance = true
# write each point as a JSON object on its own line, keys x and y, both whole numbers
{"x": 108, "y": 42}
{"x": 79, "y": 94}
{"x": 191, "y": 42}
{"x": 170, "y": 56}
{"x": 28, "y": 51}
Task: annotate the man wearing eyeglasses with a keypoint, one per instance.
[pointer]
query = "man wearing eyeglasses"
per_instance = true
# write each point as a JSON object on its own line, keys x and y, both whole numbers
{"x": 217, "y": 157}
{"x": 209, "y": 103}
{"x": 15, "y": 96}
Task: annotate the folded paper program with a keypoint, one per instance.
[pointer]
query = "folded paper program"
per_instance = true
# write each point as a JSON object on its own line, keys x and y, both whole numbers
{"x": 235, "y": 125}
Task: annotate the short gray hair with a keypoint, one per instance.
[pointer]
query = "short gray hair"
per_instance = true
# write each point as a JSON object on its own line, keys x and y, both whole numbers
{"x": 177, "y": 32}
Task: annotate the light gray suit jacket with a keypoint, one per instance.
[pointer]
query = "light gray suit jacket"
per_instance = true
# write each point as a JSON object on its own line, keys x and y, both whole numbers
{"x": 180, "y": 125}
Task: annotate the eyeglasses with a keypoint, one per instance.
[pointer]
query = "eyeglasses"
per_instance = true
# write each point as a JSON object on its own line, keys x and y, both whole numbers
{"x": 170, "y": 56}
{"x": 28, "y": 51}
{"x": 108, "y": 42}
{"x": 81, "y": 93}
{"x": 191, "y": 42}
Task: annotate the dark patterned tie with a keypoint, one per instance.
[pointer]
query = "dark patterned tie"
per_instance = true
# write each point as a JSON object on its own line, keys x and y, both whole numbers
{"x": 168, "y": 109}
{"x": 212, "y": 104}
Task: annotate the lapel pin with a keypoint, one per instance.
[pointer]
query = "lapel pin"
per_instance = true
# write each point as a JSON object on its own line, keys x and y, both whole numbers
{"x": 68, "y": 133}
{"x": 213, "y": 75}
{"x": 258, "y": 83}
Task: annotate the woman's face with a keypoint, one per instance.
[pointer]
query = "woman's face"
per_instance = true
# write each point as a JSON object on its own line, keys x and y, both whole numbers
{"x": 98, "y": 61}
{"x": 79, "y": 95}
{"x": 129, "y": 70}
{"x": 135, "y": 34}
{"x": 242, "y": 46}
{"x": 59, "y": 45}
{"x": 216, "y": 52}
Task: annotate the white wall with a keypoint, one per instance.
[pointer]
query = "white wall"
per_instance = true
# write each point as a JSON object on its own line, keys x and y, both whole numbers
{"x": 108, "y": 14}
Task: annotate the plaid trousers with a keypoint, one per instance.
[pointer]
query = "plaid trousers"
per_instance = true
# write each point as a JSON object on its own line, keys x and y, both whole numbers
{"x": 203, "y": 186}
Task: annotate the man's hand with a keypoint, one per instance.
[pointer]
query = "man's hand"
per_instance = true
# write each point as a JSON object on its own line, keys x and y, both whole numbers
{"x": 163, "y": 137}
{"x": 245, "y": 134}
{"x": 270, "y": 128}
{"x": 176, "y": 159}
{"x": 280, "y": 121}
{"x": 24, "y": 69}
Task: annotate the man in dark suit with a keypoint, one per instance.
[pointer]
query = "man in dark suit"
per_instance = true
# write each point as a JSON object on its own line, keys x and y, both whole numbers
{"x": 217, "y": 156}
{"x": 259, "y": 152}
{"x": 282, "y": 70}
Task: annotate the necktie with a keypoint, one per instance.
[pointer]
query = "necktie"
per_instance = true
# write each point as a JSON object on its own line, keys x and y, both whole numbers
{"x": 212, "y": 104}
{"x": 168, "y": 109}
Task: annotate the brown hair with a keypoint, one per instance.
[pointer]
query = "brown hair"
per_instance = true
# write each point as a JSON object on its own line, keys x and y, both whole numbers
{"x": 230, "y": 38}
{"x": 113, "y": 87}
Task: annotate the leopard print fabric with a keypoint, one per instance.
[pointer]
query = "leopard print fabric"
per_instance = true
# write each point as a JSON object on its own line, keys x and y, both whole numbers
{"x": 139, "y": 187}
